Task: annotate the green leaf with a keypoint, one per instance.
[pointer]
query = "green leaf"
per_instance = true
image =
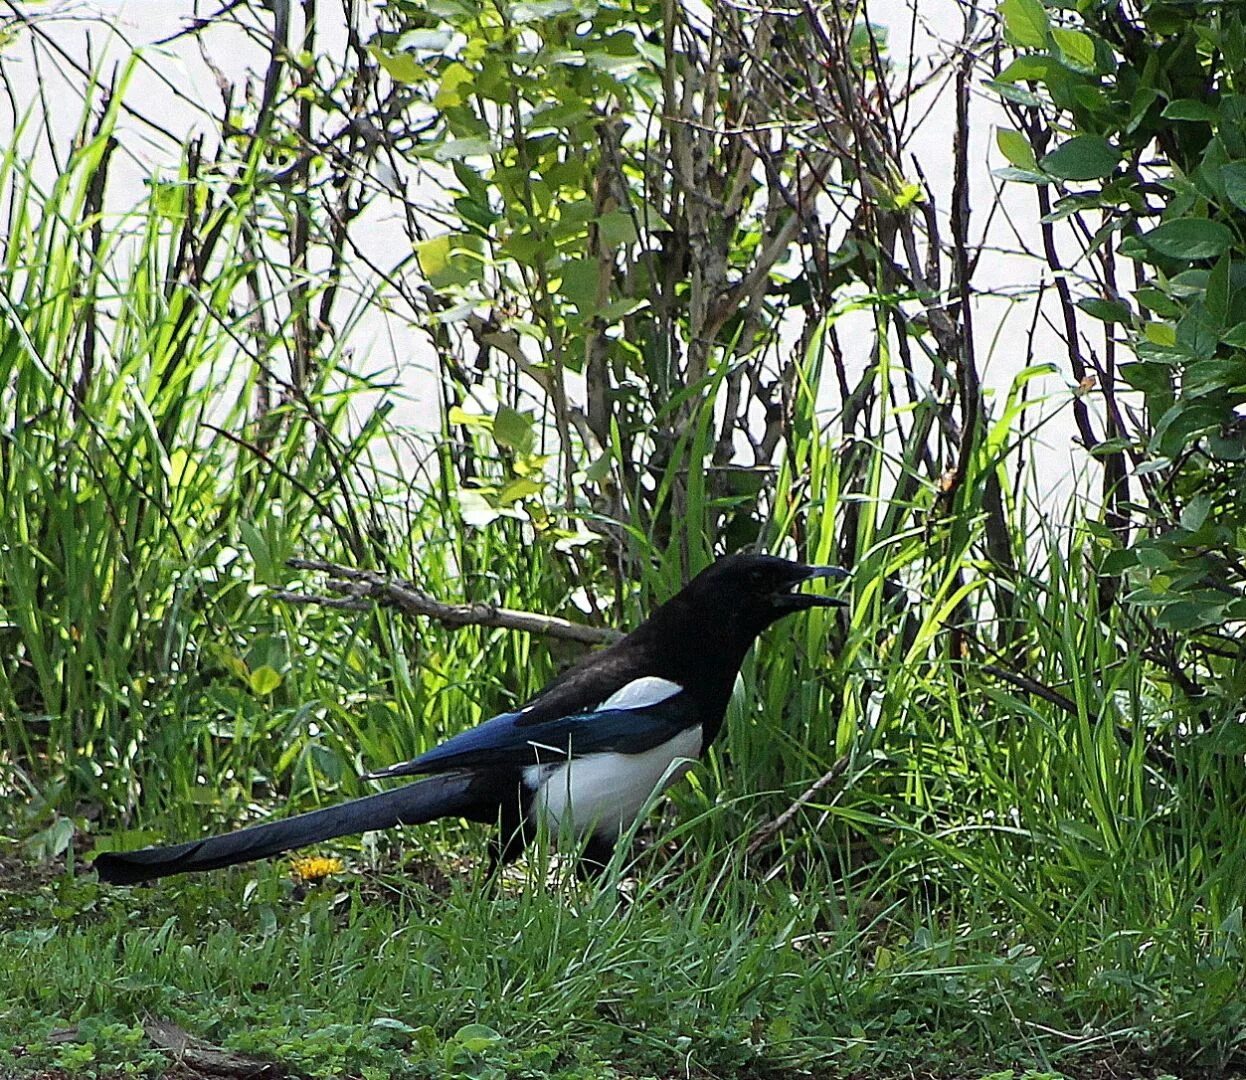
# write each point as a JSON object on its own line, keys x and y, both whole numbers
{"x": 1182, "y": 424}
{"x": 1016, "y": 148}
{"x": 1195, "y": 512}
{"x": 1009, "y": 92}
{"x": 257, "y": 545}
{"x": 456, "y": 82}
{"x": 1189, "y": 238}
{"x": 1077, "y": 48}
{"x": 459, "y": 415}
{"x": 450, "y": 259}
{"x": 1108, "y": 311}
{"x": 1026, "y": 22}
{"x": 437, "y": 41}
{"x": 599, "y": 469}
{"x": 1219, "y": 293}
{"x": 537, "y": 10}
{"x": 1027, "y": 69}
{"x": 1233, "y": 176}
{"x": 1190, "y": 109}
{"x": 580, "y": 278}
{"x": 864, "y": 39}
{"x": 1021, "y": 176}
{"x": 264, "y": 680}
{"x": 513, "y": 430}
{"x": 476, "y": 213}
{"x": 1157, "y": 301}
{"x": 520, "y": 488}
{"x": 1186, "y": 615}
{"x": 1117, "y": 562}
{"x": 402, "y": 67}
{"x": 456, "y": 149}
{"x": 617, "y": 227}
{"x": 1084, "y": 157}
{"x": 476, "y": 1038}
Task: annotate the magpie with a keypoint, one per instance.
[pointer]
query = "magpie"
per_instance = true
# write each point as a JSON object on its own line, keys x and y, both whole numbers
{"x": 584, "y": 755}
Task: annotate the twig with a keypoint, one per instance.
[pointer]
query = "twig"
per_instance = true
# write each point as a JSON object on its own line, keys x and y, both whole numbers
{"x": 763, "y": 835}
{"x": 197, "y": 1056}
{"x": 1032, "y": 686}
{"x": 362, "y": 588}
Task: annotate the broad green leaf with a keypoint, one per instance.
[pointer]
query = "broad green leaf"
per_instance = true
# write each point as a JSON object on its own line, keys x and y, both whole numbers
{"x": 1109, "y": 311}
{"x": 1157, "y": 301}
{"x": 402, "y": 67}
{"x": 1021, "y": 176}
{"x": 599, "y": 468}
{"x": 617, "y": 227}
{"x": 476, "y": 213}
{"x": 864, "y": 39}
{"x": 1010, "y": 92}
{"x": 1027, "y": 69}
{"x": 1026, "y": 22}
{"x": 521, "y": 488}
{"x": 437, "y": 41}
{"x": 476, "y": 1038}
{"x": 1144, "y": 97}
{"x": 1233, "y": 176}
{"x": 1186, "y": 615}
{"x": 456, "y": 82}
{"x": 513, "y": 430}
{"x": 1160, "y": 333}
{"x": 537, "y": 10}
{"x": 1189, "y": 238}
{"x": 1016, "y": 148}
{"x": 264, "y": 680}
{"x": 1195, "y": 512}
{"x": 1218, "y": 293}
{"x": 1182, "y": 424}
{"x": 1084, "y": 157}
{"x": 455, "y": 149}
{"x": 450, "y": 259}
{"x": 580, "y": 278}
{"x": 1189, "y": 109}
{"x": 1076, "y": 47}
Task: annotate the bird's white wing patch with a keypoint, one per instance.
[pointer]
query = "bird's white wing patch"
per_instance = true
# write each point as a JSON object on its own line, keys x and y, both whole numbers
{"x": 641, "y": 693}
{"x": 603, "y": 793}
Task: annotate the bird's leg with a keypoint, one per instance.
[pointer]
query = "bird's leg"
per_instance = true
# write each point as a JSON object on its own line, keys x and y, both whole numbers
{"x": 595, "y": 857}
{"x": 512, "y": 837}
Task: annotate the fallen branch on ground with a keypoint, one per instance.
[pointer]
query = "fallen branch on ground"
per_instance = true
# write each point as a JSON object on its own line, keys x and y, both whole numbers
{"x": 767, "y": 832}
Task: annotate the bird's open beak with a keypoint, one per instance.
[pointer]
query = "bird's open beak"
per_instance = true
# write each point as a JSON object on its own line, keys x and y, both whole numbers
{"x": 799, "y": 601}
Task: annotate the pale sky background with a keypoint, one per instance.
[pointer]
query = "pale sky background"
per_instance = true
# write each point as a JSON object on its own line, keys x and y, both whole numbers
{"x": 174, "y": 85}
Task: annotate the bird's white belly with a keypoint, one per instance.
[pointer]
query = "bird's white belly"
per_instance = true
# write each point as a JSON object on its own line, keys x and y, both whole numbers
{"x": 603, "y": 793}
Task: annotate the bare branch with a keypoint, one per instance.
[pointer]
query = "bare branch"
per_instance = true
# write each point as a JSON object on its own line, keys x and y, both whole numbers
{"x": 361, "y": 588}
{"x": 763, "y": 835}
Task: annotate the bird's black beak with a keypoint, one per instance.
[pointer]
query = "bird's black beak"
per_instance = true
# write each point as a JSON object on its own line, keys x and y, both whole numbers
{"x": 800, "y": 601}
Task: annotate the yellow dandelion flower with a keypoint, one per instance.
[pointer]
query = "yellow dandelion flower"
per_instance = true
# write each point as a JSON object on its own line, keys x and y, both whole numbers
{"x": 314, "y": 868}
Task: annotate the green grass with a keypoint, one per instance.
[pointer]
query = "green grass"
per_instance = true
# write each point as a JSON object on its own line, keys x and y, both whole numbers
{"x": 715, "y": 966}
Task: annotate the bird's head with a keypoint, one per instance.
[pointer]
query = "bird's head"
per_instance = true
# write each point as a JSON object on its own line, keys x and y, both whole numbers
{"x": 740, "y": 595}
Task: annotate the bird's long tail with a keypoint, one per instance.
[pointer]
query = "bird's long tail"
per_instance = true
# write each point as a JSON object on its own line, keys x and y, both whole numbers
{"x": 438, "y": 796}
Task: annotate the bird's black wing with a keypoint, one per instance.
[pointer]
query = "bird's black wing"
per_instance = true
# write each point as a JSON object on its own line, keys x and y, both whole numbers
{"x": 511, "y": 740}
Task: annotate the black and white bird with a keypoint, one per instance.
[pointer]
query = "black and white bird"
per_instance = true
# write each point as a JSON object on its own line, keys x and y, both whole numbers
{"x": 584, "y": 755}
